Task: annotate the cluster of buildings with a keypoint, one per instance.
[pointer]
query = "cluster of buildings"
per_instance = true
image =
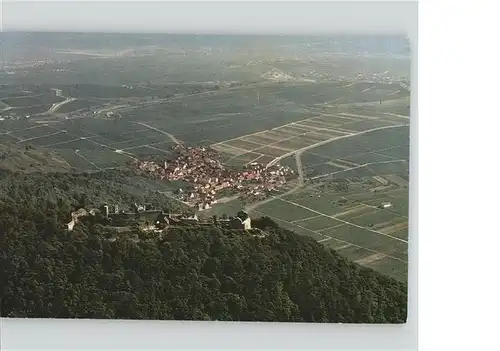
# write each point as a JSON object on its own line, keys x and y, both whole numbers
{"x": 11, "y": 116}
{"x": 151, "y": 219}
{"x": 375, "y": 77}
{"x": 201, "y": 168}
{"x": 263, "y": 180}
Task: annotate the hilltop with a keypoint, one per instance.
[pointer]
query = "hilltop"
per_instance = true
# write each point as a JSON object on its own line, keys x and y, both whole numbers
{"x": 28, "y": 159}
{"x": 189, "y": 274}
{"x": 69, "y": 191}
{"x": 193, "y": 273}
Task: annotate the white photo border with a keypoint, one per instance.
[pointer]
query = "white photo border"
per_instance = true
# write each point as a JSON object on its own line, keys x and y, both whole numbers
{"x": 111, "y": 334}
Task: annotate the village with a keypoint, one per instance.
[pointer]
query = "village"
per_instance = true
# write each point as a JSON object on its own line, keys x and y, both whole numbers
{"x": 208, "y": 178}
{"x": 207, "y": 181}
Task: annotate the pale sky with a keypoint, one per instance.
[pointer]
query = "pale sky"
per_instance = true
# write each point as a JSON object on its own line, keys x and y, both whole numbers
{"x": 212, "y": 17}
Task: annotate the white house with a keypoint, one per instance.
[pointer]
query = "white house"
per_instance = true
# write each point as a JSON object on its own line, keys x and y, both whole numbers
{"x": 385, "y": 204}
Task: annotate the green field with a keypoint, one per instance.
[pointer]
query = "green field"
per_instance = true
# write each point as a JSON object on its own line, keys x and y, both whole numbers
{"x": 105, "y": 158}
{"x": 221, "y": 114}
{"x": 354, "y": 253}
{"x": 324, "y": 203}
{"x": 146, "y": 139}
{"x": 146, "y": 152}
{"x": 33, "y": 132}
{"x": 297, "y": 227}
{"x": 370, "y": 219}
{"x": 29, "y": 110}
{"x": 285, "y": 211}
{"x": 7, "y": 92}
{"x": 26, "y": 101}
{"x": 345, "y": 220}
{"x": 368, "y": 158}
{"x": 65, "y": 141}
{"x": 318, "y": 223}
{"x": 363, "y": 237}
{"x": 391, "y": 267}
{"x": 75, "y": 161}
{"x": 77, "y": 105}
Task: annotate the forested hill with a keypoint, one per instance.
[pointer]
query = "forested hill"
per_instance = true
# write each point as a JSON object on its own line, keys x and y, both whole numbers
{"x": 190, "y": 273}
{"x": 64, "y": 192}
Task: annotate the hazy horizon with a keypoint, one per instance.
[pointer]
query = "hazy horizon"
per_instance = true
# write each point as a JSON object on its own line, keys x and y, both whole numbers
{"x": 223, "y": 18}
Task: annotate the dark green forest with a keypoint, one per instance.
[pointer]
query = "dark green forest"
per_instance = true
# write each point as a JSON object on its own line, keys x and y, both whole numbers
{"x": 189, "y": 273}
{"x": 64, "y": 192}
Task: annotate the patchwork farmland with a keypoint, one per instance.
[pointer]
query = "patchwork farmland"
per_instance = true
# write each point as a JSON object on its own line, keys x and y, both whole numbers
{"x": 307, "y": 134}
{"x": 334, "y": 110}
{"x": 329, "y": 132}
{"x": 367, "y": 151}
{"x": 351, "y": 223}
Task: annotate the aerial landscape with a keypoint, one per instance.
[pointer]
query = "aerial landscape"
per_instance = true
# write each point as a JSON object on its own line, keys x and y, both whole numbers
{"x": 205, "y": 177}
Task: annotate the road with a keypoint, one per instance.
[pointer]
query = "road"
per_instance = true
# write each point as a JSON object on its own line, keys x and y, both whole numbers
{"x": 174, "y": 139}
{"x": 300, "y": 184}
{"x": 57, "y": 105}
{"x": 312, "y": 146}
{"x": 300, "y": 170}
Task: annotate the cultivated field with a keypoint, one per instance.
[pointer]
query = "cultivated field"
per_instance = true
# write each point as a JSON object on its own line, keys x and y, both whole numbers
{"x": 369, "y": 152}
{"x": 326, "y": 137}
{"x": 350, "y": 222}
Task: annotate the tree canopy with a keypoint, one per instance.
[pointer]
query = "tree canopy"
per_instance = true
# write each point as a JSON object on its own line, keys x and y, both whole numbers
{"x": 195, "y": 273}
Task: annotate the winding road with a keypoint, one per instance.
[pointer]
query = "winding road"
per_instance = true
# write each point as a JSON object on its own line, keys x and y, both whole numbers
{"x": 300, "y": 170}
{"x": 173, "y": 138}
{"x": 57, "y": 105}
{"x": 300, "y": 184}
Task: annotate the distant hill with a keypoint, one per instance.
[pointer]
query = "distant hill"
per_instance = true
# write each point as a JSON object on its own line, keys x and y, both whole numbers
{"x": 29, "y": 159}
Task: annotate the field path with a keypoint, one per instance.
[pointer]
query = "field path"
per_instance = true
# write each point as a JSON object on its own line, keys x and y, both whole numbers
{"x": 357, "y": 167}
{"x": 277, "y": 159}
{"x": 396, "y": 115}
{"x": 39, "y": 137}
{"x": 346, "y": 222}
{"x": 77, "y": 152}
{"x": 173, "y": 138}
{"x": 345, "y": 243}
{"x": 369, "y": 259}
{"x": 300, "y": 184}
{"x": 300, "y": 169}
{"x": 253, "y": 206}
